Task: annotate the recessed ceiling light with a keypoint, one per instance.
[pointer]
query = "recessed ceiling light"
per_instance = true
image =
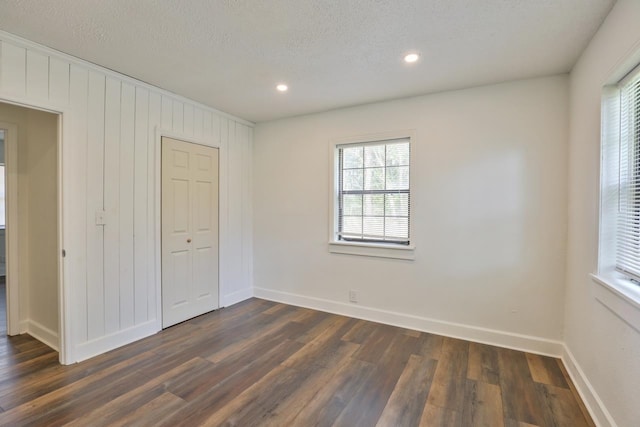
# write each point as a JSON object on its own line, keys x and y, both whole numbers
{"x": 282, "y": 87}
{"x": 412, "y": 57}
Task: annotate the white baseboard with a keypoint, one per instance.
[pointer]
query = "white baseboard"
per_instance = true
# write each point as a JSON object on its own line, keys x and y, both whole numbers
{"x": 592, "y": 401}
{"x": 236, "y": 297}
{"x": 117, "y": 339}
{"x": 511, "y": 340}
{"x": 41, "y": 333}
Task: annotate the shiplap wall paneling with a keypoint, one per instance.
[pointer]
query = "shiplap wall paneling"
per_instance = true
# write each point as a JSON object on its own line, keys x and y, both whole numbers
{"x": 58, "y": 81}
{"x": 13, "y": 70}
{"x": 95, "y": 203}
{"x": 153, "y": 156}
{"x": 247, "y": 210}
{"x": 235, "y": 210}
{"x": 207, "y": 126}
{"x": 166, "y": 112}
{"x": 223, "y": 217}
{"x": 242, "y": 136}
{"x": 188, "y": 120}
{"x": 37, "y": 80}
{"x": 125, "y": 182}
{"x": 140, "y": 217}
{"x": 178, "y": 117}
{"x": 198, "y": 123}
{"x": 112, "y": 134}
{"x": 75, "y": 209}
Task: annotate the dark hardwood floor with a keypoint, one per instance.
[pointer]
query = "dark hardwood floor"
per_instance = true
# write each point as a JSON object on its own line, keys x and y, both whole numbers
{"x": 260, "y": 363}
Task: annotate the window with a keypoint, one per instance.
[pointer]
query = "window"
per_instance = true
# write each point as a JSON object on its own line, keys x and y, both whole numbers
{"x": 628, "y": 221}
{"x": 616, "y": 282}
{"x": 372, "y": 197}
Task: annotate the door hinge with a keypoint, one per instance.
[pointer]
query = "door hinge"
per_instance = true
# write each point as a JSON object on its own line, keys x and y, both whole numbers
{"x": 64, "y": 253}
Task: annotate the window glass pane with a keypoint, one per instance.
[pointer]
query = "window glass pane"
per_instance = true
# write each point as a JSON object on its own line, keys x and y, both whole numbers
{"x": 352, "y": 157}
{"x": 352, "y": 179}
{"x": 352, "y": 224}
{"x": 373, "y": 226}
{"x": 374, "y": 179}
{"x": 374, "y": 155}
{"x": 397, "y": 204}
{"x": 374, "y": 204}
{"x": 397, "y": 227}
{"x": 398, "y": 154}
{"x": 374, "y": 199}
{"x": 352, "y": 204}
{"x": 398, "y": 178}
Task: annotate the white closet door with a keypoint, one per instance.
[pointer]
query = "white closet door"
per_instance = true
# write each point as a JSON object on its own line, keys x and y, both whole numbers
{"x": 189, "y": 230}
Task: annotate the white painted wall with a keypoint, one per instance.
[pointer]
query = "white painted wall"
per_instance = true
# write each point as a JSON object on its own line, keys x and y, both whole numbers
{"x": 488, "y": 208}
{"x": 603, "y": 346}
{"x": 110, "y": 133}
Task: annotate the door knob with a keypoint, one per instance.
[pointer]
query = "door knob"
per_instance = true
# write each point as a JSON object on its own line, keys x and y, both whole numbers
{"x": 189, "y": 240}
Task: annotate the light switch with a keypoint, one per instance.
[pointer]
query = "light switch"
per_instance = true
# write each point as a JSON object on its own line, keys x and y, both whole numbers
{"x": 101, "y": 218}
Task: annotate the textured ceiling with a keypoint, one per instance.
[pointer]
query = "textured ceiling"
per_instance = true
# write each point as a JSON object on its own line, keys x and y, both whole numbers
{"x": 230, "y": 54}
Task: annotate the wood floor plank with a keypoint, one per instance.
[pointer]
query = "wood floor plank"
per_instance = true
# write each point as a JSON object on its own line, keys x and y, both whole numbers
{"x": 483, "y": 405}
{"x": 576, "y": 395}
{"x": 520, "y": 398}
{"x": 288, "y": 408}
{"x": 322, "y": 322}
{"x": 365, "y": 407}
{"x": 430, "y": 345}
{"x": 318, "y": 349}
{"x": 434, "y": 416}
{"x": 270, "y": 354}
{"x": 240, "y": 344}
{"x": 450, "y": 379}
{"x": 152, "y": 413}
{"x": 275, "y": 309}
{"x": 483, "y": 363}
{"x": 412, "y": 333}
{"x": 361, "y": 331}
{"x": 560, "y": 407}
{"x": 376, "y": 344}
{"x": 280, "y": 385}
{"x": 405, "y": 405}
{"x": 513, "y": 423}
{"x": 121, "y": 407}
{"x": 545, "y": 370}
{"x": 69, "y": 402}
{"x": 334, "y": 396}
{"x": 208, "y": 395}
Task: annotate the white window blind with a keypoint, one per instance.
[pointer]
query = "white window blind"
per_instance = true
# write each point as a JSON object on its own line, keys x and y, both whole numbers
{"x": 628, "y": 223}
{"x": 373, "y": 192}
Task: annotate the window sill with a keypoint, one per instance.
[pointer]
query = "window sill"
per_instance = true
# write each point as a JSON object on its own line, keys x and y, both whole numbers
{"x": 373, "y": 250}
{"x": 619, "y": 295}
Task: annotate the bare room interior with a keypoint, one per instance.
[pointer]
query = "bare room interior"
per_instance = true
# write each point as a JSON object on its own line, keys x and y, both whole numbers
{"x": 294, "y": 213}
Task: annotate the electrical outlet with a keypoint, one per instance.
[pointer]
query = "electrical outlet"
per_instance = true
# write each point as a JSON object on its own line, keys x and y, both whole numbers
{"x": 353, "y": 296}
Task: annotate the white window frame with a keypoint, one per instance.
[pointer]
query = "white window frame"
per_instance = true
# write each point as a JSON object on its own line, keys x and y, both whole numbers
{"x": 615, "y": 290}
{"x": 372, "y": 249}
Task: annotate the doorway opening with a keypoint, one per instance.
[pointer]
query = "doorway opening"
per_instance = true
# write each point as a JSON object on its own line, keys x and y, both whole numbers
{"x": 29, "y": 234}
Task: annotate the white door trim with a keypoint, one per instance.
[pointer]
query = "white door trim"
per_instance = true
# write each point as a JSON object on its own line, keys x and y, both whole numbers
{"x": 66, "y": 341}
{"x": 157, "y": 208}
